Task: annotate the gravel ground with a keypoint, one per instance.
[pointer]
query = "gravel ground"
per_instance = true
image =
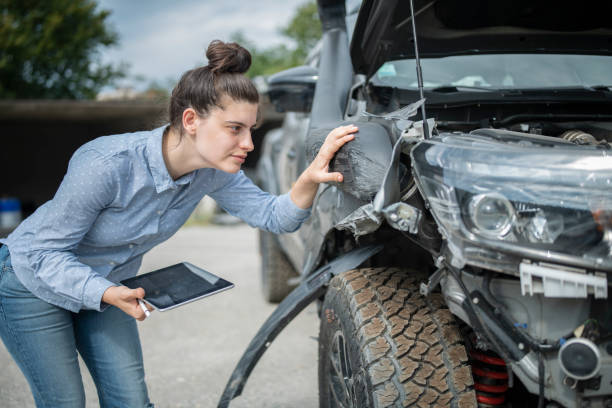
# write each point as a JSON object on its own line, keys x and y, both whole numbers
{"x": 190, "y": 352}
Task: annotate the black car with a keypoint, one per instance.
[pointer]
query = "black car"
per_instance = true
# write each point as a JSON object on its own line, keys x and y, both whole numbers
{"x": 466, "y": 258}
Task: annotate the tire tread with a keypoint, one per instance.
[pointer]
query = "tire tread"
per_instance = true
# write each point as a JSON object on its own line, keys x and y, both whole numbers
{"x": 413, "y": 352}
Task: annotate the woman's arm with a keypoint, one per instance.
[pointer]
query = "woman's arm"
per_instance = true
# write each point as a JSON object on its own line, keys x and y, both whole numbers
{"x": 238, "y": 195}
{"x": 305, "y": 188}
{"x": 89, "y": 186}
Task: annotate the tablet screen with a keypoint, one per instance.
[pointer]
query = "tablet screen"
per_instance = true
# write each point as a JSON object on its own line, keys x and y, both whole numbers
{"x": 176, "y": 285}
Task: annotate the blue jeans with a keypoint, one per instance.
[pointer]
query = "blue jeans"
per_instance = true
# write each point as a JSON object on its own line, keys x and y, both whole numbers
{"x": 44, "y": 340}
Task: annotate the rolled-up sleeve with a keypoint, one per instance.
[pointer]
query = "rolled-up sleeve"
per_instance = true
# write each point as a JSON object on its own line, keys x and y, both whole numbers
{"x": 89, "y": 186}
{"x": 237, "y": 195}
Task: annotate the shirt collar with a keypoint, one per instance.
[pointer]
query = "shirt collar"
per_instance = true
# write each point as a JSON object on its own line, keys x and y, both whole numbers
{"x": 154, "y": 156}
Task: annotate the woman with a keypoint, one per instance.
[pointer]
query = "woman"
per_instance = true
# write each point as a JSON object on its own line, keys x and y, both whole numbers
{"x": 121, "y": 196}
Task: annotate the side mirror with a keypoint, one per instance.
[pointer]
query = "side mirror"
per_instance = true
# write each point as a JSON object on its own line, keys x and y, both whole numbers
{"x": 292, "y": 90}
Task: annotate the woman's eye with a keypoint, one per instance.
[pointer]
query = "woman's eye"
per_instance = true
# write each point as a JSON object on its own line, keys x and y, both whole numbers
{"x": 235, "y": 128}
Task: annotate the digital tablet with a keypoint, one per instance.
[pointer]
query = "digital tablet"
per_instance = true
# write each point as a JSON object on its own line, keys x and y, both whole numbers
{"x": 177, "y": 285}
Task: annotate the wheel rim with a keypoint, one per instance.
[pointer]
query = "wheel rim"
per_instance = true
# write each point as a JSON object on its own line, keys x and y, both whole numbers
{"x": 341, "y": 382}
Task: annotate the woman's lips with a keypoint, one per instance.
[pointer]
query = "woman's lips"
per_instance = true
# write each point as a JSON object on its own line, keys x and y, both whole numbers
{"x": 241, "y": 159}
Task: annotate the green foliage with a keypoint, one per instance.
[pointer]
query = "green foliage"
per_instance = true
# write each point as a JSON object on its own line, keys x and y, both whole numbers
{"x": 264, "y": 61}
{"x": 49, "y": 49}
{"x": 304, "y": 29}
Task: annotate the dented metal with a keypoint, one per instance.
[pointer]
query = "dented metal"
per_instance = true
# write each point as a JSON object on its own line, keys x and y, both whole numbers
{"x": 386, "y": 204}
{"x": 362, "y": 221}
{"x": 363, "y": 162}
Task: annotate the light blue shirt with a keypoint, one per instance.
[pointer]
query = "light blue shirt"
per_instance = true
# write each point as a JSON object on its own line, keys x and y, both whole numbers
{"x": 115, "y": 203}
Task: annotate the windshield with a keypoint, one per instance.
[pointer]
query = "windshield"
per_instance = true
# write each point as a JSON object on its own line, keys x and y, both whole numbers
{"x": 500, "y": 71}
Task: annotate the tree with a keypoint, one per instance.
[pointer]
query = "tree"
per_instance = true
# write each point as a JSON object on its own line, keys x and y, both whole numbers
{"x": 304, "y": 29}
{"x": 50, "y": 49}
{"x": 264, "y": 61}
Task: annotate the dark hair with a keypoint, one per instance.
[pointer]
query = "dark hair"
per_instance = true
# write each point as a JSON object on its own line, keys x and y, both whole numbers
{"x": 202, "y": 88}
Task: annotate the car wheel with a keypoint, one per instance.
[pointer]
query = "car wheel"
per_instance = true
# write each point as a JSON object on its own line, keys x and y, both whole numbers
{"x": 276, "y": 270}
{"x": 382, "y": 344}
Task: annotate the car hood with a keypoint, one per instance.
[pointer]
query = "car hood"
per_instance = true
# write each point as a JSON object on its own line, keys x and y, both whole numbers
{"x": 383, "y": 30}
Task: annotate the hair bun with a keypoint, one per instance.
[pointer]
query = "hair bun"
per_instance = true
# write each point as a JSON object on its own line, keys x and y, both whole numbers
{"x": 227, "y": 57}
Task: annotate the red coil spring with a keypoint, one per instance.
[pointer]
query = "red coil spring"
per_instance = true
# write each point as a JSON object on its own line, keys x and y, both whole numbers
{"x": 490, "y": 378}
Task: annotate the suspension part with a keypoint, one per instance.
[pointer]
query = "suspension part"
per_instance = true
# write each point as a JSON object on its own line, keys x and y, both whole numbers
{"x": 490, "y": 378}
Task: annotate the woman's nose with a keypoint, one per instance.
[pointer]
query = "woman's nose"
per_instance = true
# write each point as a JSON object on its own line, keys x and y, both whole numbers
{"x": 246, "y": 143}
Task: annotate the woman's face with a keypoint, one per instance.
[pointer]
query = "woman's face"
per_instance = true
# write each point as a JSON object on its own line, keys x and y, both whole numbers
{"x": 223, "y": 138}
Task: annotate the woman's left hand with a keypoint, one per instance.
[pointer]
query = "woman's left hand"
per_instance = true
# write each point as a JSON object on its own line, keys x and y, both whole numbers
{"x": 305, "y": 188}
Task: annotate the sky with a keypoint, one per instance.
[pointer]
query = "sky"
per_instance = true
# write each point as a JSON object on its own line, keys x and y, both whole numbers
{"x": 160, "y": 39}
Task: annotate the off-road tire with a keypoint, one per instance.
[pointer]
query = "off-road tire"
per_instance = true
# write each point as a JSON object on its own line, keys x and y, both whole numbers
{"x": 403, "y": 349}
{"x": 276, "y": 270}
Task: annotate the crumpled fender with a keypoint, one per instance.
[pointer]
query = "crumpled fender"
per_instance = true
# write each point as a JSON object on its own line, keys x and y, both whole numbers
{"x": 363, "y": 161}
{"x": 294, "y": 303}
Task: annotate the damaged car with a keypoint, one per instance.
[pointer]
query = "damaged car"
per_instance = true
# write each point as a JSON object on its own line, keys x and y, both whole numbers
{"x": 466, "y": 258}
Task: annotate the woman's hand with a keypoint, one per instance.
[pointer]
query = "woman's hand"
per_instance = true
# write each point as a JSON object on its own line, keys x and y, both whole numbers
{"x": 126, "y": 299}
{"x": 318, "y": 171}
{"x": 305, "y": 188}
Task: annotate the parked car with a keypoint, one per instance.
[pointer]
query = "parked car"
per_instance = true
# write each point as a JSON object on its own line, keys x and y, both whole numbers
{"x": 465, "y": 260}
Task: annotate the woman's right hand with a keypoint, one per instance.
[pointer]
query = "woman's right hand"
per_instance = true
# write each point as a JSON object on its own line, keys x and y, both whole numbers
{"x": 125, "y": 299}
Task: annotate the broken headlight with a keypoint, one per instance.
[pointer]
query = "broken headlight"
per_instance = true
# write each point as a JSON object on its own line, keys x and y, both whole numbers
{"x": 516, "y": 194}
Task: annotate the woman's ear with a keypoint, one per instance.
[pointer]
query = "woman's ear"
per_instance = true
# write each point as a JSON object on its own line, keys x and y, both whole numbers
{"x": 190, "y": 121}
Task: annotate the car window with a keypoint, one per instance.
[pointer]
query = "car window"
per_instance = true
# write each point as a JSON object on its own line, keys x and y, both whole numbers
{"x": 499, "y": 71}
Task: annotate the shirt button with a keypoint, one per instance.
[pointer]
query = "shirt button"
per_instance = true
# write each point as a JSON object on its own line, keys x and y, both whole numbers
{"x": 159, "y": 213}
{"x": 131, "y": 245}
{"x": 113, "y": 263}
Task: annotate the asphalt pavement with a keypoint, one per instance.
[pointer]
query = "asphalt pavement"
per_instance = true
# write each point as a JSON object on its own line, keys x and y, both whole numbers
{"x": 190, "y": 352}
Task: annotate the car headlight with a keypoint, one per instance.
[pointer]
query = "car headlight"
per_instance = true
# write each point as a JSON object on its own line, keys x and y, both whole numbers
{"x": 491, "y": 214}
{"x": 531, "y": 197}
